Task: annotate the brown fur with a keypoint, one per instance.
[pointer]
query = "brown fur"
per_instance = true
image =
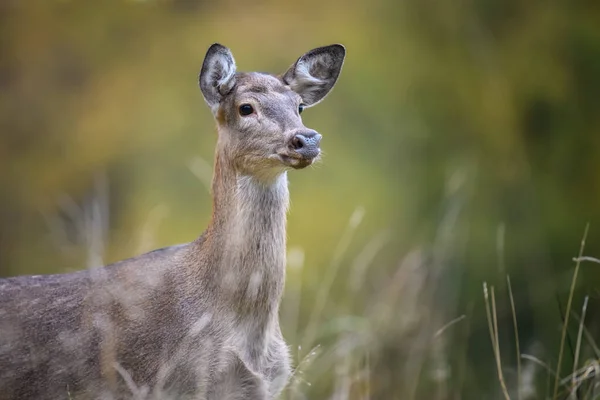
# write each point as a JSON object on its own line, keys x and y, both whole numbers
{"x": 194, "y": 321}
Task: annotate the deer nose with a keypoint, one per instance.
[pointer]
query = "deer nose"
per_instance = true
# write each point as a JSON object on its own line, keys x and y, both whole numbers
{"x": 307, "y": 144}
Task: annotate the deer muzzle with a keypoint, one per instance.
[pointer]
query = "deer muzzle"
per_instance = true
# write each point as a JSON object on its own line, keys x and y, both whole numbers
{"x": 306, "y": 144}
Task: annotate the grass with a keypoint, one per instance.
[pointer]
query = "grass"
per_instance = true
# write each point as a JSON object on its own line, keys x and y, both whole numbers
{"x": 516, "y": 329}
{"x": 493, "y": 327}
{"x": 585, "y": 376}
{"x": 401, "y": 341}
{"x": 582, "y": 383}
{"x": 568, "y": 311}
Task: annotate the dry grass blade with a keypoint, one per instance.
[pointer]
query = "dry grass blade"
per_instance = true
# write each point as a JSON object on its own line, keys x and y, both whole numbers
{"x": 578, "y": 346}
{"x": 539, "y": 362}
{"x": 584, "y": 373}
{"x": 588, "y": 337}
{"x": 448, "y": 325}
{"x": 296, "y": 378}
{"x": 493, "y": 327}
{"x": 588, "y": 392}
{"x": 567, "y": 313}
{"x": 498, "y": 359}
{"x": 518, "y": 348}
{"x": 586, "y": 258}
{"x": 489, "y": 316}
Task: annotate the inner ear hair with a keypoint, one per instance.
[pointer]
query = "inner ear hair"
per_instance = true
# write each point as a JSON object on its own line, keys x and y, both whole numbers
{"x": 314, "y": 74}
{"x": 217, "y": 76}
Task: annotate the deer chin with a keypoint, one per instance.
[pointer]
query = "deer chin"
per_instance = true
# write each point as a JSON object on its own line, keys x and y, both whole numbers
{"x": 296, "y": 161}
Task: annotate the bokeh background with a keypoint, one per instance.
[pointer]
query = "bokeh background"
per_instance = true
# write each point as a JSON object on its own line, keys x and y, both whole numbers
{"x": 462, "y": 146}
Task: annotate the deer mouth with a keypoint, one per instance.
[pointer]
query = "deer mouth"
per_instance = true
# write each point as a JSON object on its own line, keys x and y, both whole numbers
{"x": 296, "y": 161}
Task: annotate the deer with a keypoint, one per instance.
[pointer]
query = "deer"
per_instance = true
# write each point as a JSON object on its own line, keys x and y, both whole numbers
{"x": 192, "y": 321}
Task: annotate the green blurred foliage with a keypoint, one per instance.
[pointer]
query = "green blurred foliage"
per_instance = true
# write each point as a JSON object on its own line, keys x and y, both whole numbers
{"x": 468, "y": 132}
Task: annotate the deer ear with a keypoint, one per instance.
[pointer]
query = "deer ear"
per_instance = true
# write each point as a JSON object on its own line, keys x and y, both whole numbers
{"x": 217, "y": 76}
{"x": 315, "y": 73}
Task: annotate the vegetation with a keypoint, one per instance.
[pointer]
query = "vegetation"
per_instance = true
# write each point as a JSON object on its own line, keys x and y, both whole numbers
{"x": 460, "y": 148}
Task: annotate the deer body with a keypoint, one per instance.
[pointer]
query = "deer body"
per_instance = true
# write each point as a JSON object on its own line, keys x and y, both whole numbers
{"x": 199, "y": 320}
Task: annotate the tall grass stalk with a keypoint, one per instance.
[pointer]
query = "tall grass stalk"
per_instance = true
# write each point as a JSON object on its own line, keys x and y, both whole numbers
{"x": 589, "y": 337}
{"x": 516, "y": 328}
{"x": 568, "y": 311}
{"x": 492, "y": 319}
{"x": 578, "y": 347}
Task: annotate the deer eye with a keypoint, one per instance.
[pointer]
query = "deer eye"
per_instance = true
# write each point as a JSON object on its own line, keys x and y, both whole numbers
{"x": 300, "y": 108}
{"x": 246, "y": 109}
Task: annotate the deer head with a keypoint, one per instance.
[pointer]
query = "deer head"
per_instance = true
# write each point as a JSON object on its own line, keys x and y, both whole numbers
{"x": 258, "y": 115}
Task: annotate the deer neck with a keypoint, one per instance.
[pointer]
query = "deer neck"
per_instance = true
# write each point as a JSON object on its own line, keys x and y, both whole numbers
{"x": 246, "y": 240}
